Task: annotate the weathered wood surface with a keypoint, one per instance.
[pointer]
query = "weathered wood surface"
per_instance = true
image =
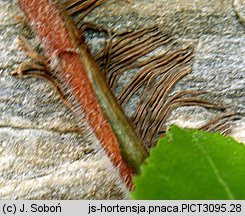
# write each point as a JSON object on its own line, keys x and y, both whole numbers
{"x": 40, "y": 158}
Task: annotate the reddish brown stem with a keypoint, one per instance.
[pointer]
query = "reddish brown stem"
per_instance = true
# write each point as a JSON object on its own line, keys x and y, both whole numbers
{"x": 76, "y": 67}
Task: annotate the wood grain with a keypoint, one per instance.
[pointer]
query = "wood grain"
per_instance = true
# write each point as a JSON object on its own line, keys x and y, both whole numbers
{"x": 40, "y": 158}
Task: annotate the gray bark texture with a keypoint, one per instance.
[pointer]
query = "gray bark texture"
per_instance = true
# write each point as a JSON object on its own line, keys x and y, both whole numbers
{"x": 42, "y": 157}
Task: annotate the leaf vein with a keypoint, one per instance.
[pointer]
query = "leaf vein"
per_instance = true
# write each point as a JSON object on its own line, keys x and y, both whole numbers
{"x": 221, "y": 180}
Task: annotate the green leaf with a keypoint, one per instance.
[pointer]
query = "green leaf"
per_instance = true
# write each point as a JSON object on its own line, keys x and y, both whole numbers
{"x": 192, "y": 165}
